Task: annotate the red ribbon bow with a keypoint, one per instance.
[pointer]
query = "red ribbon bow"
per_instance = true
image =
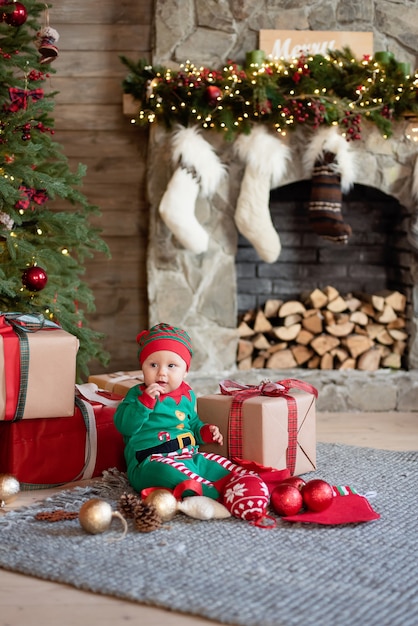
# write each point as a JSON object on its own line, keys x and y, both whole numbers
{"x": 19, "y": 97}
{"x": 281, "y": 389}
{"x": 28, "y": 195}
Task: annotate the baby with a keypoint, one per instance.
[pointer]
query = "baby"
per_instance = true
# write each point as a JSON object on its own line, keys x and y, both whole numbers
{"x": 158, "y": 420}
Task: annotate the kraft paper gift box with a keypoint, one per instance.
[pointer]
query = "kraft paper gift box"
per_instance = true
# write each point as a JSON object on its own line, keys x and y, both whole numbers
{"x": 37, "y": 368}
{"x": 48, "y": 452}
{"x": 117, "y": 382}
{"x": 265, "y": 428}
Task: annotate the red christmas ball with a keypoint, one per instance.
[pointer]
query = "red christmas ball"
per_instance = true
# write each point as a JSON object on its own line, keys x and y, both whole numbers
{"x": 286, "y": 499}
{"x": 213, "y": 93}
{"x": 317, "y": 495}
{"x": 295, "y": 481}
{"x": 17, "y": 16}
{"x": 34, "y": 278}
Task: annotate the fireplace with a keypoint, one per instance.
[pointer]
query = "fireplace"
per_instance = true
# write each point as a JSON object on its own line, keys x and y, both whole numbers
{"x": 200, "y": 291}
{"x": 377, "y": 257}
{"x": 377, "y": 260}
{"x": 203, "y": 292}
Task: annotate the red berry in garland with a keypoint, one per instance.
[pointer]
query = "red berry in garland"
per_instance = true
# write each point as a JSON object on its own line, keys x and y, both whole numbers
{"x": 34, "y": 278}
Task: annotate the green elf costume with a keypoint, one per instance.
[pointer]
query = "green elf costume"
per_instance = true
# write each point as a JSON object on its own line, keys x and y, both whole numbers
{"x": 162, "y": 435}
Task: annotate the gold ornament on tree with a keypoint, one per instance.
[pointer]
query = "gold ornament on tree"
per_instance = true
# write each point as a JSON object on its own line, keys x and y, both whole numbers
{"x": 96, "y": 515}
{"x": 9, "y": 489}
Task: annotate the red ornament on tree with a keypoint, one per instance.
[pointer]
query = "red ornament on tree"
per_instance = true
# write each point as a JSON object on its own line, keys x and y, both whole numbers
{"x": 286, "y": 499}
{"x": 17, "y": 16}
{"x": 317, "y": 495}
{"x": 213, "y": 93}
{"x": 34, "y": 278}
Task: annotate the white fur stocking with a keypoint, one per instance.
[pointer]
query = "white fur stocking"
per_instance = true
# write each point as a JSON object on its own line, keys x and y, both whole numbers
{"x": 265, "y": 156}
{"x": 198, "y": 170}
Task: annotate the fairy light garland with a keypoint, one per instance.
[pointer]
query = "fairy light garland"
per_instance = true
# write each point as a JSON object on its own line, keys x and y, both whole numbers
{"x": 314, "y": 91}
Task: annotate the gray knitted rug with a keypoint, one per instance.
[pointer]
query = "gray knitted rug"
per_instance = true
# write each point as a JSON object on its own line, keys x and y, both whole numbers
{"x": 235, "y": 573}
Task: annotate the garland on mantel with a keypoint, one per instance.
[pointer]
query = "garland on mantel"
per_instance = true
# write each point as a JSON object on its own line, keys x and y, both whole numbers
{"x": 313, "y": 91}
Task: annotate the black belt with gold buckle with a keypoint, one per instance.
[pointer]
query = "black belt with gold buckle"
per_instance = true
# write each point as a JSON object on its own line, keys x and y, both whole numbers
{"x": 167, "y": 446}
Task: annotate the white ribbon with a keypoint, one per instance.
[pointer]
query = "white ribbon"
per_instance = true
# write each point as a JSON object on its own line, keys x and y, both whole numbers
{"x": 90, "y": 391}
{"x": 90, "y": 453}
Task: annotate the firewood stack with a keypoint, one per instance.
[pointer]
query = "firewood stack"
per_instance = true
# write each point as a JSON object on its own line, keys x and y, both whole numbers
{"x": 325, "y": 330}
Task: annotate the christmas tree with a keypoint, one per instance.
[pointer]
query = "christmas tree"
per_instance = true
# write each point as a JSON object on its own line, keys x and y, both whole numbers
{"x": 42, "y": 249}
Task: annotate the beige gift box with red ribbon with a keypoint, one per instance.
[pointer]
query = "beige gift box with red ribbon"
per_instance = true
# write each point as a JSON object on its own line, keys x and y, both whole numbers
{"x": 265, "y": 428}
{"x": 42, "y": 381}
{"x": 117, "y": 382}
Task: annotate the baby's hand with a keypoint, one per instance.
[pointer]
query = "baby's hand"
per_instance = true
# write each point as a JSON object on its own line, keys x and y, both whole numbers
{"x": 154, "y": 390}
{"x": 216, "y": 434}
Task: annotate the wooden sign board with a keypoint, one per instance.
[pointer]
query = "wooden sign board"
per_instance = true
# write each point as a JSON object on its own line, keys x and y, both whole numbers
{"x": 289, "y": 44}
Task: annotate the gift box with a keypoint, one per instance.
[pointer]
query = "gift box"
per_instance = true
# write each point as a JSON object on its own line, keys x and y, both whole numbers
{"x": 37, "y": 368}
{"x": 273, "y": 424}
{"x": 50, "y": 452}
{"x": 117, "y": 382}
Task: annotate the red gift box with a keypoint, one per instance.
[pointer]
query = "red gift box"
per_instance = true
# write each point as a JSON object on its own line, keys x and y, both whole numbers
{"x": 47, "y": 452}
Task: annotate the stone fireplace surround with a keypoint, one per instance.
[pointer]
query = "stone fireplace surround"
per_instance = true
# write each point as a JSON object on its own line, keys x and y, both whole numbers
{"x": 199, "y": 292}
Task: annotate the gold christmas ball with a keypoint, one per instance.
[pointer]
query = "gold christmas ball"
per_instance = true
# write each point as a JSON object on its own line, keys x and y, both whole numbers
{"x": 164, "y": 502}
{"x": 9, "y": 489}
{"x": 95, "y": 516}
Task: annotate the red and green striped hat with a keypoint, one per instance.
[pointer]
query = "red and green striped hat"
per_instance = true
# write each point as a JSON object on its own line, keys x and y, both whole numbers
{"x": 165, "y": 337}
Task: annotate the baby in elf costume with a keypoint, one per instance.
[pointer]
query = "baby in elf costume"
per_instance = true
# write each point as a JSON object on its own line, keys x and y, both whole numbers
{"x": 159, "y": 422}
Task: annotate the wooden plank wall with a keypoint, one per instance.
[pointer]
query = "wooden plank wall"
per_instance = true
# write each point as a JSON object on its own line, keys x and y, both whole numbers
{"x": 92, "y": 129}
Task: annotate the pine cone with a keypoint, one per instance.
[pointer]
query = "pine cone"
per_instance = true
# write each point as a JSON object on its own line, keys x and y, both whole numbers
{"x": 127, "y": 503}
{"x": 146, "y": 517}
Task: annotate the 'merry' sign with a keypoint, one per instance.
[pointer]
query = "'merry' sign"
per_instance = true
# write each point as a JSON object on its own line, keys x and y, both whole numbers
{"x": 288, "y": 44}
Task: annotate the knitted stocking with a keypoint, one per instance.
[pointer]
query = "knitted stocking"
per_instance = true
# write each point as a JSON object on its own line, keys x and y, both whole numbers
{"x": 331, "y": 166}
{"x": 198, "y": 170}
{"x": 265, "y": 157}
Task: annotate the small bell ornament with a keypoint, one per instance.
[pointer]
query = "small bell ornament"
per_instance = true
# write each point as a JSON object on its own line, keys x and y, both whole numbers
{"x": 9, "y": 489}
{"x": 46, "y": 42}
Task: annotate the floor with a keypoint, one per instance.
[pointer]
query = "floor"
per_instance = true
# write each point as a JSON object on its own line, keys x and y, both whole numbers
{"x": 25, "y": 600}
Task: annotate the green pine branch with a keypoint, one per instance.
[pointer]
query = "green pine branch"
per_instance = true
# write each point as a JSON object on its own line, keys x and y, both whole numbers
{"x": 35, "y": 179}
